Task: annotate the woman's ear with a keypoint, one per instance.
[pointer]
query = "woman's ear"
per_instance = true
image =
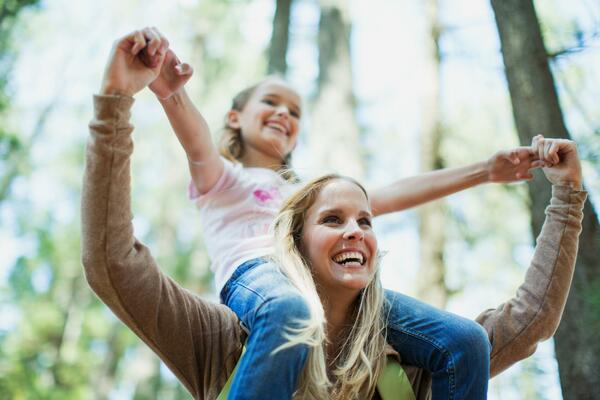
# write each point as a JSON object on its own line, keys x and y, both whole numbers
{"x": 233, "y": 119}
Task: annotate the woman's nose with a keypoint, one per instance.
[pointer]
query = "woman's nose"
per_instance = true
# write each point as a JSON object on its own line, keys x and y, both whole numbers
{"x": 353, "y": 231}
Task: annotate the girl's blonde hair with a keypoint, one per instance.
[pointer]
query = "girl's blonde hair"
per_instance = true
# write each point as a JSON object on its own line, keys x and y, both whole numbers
{"x": 231, "y": 143}
{"x": 361, "y": 358}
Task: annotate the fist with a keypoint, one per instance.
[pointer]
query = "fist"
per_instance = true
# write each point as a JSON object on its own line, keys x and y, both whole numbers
{"x": 134, "y": 62}
{"x": 564, "y": 166}
{"x": 173, "y": 75}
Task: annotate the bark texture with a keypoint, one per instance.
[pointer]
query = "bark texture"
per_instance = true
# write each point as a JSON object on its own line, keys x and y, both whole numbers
{"x": 536, "y": 109}
{"x": 280, "y": 38}
{"x": 431, "y": 283}
{"x": 335, "y": 135}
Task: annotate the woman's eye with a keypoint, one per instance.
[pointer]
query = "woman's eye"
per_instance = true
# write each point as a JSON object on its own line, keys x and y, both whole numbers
{"x": 331, "y": 219}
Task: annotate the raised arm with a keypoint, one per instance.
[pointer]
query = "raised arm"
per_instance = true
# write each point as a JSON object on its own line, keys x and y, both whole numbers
{"x": 199, "y": 341}
{"x": 187, "y": 122}
{"x": 502, "y": 167}
{"x": 533, "y": 314}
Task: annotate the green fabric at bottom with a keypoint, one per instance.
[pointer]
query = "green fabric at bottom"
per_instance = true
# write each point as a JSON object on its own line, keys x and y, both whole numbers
{"x": 393, "y": 383}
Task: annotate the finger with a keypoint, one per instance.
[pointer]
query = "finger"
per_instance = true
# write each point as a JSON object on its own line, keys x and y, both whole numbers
{"x": 535, "y": 144}
{"x": 164, "y": 43}
{"x": 157, "y": 62}
{"x": 527, "y": 176}
{"x": 513, "y": 157}
{"x": 553, "y": 151}
{"x": 139, "y": 42}
{"x": 538, "y": 164}
{"x": 184, "y": 69}
{"x": 153, "y": 41}
{"x": 547, "y": 144}
{"x": 540, "y": 148}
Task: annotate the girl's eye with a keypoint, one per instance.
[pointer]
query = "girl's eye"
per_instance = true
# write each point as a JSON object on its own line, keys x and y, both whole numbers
{"x": 365, "y": 221}
{"x": 269, "y": 102}
{"x": 295, "y": 114}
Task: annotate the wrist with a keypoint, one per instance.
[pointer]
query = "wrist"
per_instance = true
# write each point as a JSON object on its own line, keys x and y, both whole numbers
{"x": 177, "y": 98}
{"x": 108, "y": 89}
{"x": 575, "y": 185}
{"x": 481, "y": 172}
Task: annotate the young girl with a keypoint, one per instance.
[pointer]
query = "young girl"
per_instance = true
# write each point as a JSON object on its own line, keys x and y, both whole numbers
{"x": 239, "y": 189}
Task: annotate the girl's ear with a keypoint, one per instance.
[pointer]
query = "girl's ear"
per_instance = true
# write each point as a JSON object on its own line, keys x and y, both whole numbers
{"x": 233, "y": 119}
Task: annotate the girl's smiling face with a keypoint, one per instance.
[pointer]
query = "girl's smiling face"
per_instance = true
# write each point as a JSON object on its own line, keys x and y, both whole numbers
{"x": 269, "y": 122}
{"x": 338, "y": 241}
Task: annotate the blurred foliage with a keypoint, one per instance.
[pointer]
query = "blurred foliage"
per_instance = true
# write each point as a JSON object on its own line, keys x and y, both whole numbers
{"x": 11, "y": 148}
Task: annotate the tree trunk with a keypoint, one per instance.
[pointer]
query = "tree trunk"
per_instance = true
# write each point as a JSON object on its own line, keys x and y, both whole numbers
{"x": 280, "y": 38}
{"x": 431, "y": 282}
{"x": 334, "y": 138}
{"x": 536, "y": 110}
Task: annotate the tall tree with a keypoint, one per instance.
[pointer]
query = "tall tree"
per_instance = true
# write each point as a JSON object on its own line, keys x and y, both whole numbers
{"x": 536, "y": 109}
{"x": 431, "y": 284}
{"x": 280, "y": 38}
{"x": 334, "y": 137}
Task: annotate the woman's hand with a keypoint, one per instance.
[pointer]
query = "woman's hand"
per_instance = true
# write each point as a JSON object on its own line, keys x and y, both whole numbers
{"x": 512, "y": 165}
{"x": 173, "y": 75}
{"x": 135, "y": 61}
{"x": 563, "y": 160}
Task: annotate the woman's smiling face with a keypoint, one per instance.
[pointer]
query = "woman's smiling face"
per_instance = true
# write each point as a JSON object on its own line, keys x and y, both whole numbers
{"x": 338, "y": 241}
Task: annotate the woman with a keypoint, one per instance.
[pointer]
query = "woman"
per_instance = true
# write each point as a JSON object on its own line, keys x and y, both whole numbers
{"x": 201, "y": 342}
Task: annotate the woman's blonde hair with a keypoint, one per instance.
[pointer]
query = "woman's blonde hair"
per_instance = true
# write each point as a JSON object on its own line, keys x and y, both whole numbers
{"x": 231, "y": 143}
{"x": 361, "y": 359}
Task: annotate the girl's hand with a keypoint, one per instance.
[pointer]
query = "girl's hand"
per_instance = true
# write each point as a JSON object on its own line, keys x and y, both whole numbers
{"x": 173, "y": 75}
{"x": 562, "y": 159}
{"x": 512, "y": 165}
{"x": 135, "y": 61}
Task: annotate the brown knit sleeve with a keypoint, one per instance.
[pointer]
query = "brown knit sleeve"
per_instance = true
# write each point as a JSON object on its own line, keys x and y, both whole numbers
{"x": 198, "y": 340}
{"x": 533, "y": 314}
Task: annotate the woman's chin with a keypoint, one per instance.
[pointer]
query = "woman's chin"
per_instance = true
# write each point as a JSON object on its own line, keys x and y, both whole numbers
{"x": 352, "y": 278}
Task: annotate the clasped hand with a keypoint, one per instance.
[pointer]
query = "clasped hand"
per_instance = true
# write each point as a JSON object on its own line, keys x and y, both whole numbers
{"x": 143, "y": 58}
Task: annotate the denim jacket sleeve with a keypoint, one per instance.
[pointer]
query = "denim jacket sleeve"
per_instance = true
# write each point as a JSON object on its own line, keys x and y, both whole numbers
{"x": 198, "y": 340}
{"x": 533, "y": 314}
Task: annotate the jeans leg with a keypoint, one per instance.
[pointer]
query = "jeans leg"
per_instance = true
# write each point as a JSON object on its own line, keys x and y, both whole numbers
{"x": 266, "y": 302}
{"x": 455, "y": 350}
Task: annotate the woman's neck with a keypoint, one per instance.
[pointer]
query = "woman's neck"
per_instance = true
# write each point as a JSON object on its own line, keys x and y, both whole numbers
{"x": 339, "y": 314}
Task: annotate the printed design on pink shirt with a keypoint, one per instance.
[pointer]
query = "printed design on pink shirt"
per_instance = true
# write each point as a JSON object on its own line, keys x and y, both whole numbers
{"x": 264, "y": 196}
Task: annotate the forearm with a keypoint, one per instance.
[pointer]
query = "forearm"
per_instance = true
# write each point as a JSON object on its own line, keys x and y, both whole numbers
{"x": 413, "y": 191}
{"x": 123, "y": 273}
{"x": 190, "y": 127}
{"x": 517, "y": 326}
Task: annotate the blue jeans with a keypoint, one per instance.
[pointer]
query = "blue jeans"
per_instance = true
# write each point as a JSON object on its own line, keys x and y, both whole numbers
{"x": 455, "y": 350}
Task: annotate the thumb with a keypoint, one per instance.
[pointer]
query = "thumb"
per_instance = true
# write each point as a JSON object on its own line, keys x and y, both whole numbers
{"x": 184, "y": 69}
{"x": 157, "y": 62}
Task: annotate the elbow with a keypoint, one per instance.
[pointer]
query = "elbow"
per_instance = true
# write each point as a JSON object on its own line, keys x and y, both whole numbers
{"x": 93, "y": 272}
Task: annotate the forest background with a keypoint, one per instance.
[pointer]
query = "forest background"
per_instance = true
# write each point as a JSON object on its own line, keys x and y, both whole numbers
{"x": 391, "y": 88}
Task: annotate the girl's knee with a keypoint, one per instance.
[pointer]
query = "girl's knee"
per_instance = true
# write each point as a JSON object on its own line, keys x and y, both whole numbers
{"x": 288, "y": 308}
{"x": 475, "y": 346}
{"x": 478, "y": 338}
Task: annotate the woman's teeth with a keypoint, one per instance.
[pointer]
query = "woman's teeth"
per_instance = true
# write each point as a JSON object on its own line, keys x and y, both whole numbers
{"x": 350, "y": 256}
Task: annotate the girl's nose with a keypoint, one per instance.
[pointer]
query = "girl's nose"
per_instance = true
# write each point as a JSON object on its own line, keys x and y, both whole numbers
{"x": 353, "y": 231}
{"x": 282, "y": 110}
